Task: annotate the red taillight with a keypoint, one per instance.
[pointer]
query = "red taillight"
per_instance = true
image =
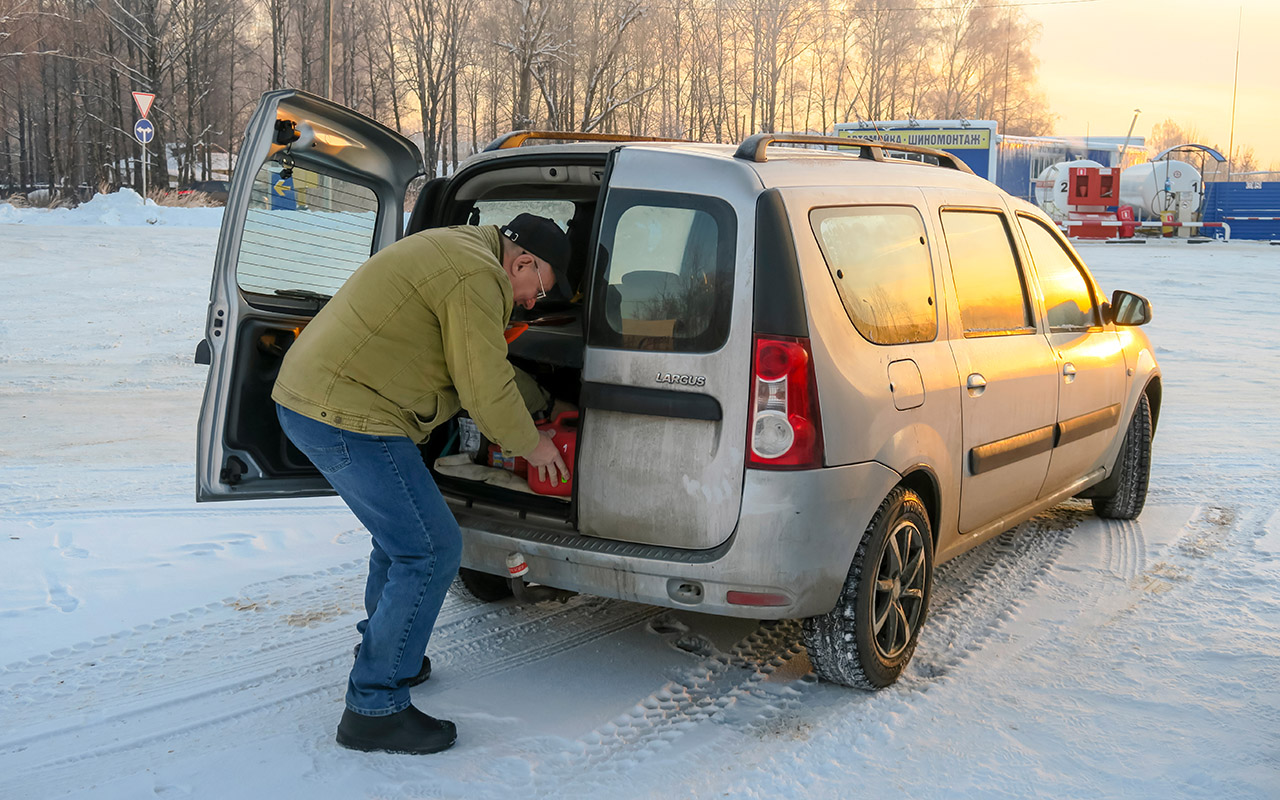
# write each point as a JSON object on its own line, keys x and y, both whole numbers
{"x": 785, "y": 427}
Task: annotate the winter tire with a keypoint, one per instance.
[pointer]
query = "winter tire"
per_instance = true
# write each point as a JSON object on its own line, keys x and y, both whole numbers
{"x": 1134, "y": 468}
{"x": 481, "y": 586}
{"x": 869, "y": 637}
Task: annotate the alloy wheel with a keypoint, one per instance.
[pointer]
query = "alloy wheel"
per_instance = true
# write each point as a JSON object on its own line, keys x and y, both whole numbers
{"x": 898, "y": 599}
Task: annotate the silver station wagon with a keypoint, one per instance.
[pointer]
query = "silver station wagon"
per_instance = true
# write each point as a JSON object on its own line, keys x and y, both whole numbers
{"x": 807, "y": 373}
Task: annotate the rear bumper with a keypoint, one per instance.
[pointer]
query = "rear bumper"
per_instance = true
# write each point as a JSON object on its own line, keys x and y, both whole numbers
{"x": 796, "y": 537}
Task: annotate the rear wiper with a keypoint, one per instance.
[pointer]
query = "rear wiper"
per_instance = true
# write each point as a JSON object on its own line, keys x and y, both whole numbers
{"x": 305, "y": 294}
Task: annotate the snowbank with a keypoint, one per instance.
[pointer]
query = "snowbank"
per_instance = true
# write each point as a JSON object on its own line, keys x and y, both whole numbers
{"x": 125, "y": 207}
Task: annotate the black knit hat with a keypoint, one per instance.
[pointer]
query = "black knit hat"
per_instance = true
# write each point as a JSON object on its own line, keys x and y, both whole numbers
{"x": 544, "y": 239}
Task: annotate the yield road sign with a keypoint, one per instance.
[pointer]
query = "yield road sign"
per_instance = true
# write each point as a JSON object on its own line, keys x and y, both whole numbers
{"x": 144, "y": 101}
{"x": 144, "y": 130}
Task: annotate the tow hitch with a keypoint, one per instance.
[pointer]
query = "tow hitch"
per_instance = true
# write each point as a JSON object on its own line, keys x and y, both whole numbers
{"x": 517, "y": 568}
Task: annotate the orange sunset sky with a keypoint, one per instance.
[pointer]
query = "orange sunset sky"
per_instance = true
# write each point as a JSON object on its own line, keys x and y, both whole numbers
{"x": 1174, "y": 59}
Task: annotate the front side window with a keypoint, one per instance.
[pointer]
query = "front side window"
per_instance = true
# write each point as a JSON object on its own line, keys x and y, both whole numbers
{"x": 668, "y": 272}
{"x": 1067, "y": 295}
{"x": 989, "y": 284}
{"x": 880, "y": 263}
{"x": 304, "y": 231}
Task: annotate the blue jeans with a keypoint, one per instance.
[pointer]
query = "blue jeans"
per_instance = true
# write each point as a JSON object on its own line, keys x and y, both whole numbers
{"x": 417, "y": 548}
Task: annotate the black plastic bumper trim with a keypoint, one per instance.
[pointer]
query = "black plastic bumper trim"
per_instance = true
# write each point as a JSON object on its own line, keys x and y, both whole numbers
{"x": 475, "y": 517}
{"x": 1084, "y": 425}
{"x": 651, "y": 402}
{"x": 1004, "y": 452}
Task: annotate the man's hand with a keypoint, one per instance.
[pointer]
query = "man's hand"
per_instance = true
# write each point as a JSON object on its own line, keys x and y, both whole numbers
{"x": 546, "y": 457}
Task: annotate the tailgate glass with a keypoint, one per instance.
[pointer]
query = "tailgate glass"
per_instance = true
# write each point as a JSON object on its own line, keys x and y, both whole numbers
{"x": 668, "y": 276}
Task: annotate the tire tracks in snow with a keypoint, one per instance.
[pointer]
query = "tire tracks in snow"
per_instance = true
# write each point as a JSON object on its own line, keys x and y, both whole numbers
{"x": 273, "y": 658}
{"x": 763, "y": 687}
{"x": 271, "y": 661}
{"x": 47, "y": 517}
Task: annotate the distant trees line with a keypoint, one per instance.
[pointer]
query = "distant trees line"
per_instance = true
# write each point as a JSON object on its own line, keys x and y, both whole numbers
{"x": 456, "y": 73}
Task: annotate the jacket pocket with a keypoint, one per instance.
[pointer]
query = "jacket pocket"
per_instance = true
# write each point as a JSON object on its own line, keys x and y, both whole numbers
{"x": 426, "y": 412}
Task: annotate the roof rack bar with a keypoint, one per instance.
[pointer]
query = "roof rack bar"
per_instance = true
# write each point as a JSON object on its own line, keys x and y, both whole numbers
{"x": 519, "y": 138}
{"x": 753, "y": 148}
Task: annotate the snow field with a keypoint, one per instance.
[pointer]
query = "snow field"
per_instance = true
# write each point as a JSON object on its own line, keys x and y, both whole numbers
{"x": 150, "y": 646}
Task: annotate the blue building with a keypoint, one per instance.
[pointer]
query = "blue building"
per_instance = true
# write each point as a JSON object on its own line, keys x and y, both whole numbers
{"x": 1021, "y": 159}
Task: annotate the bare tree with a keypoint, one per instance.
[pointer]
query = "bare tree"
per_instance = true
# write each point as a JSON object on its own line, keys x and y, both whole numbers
{"x": 456, "y": 73}
{"x": 533, "y": 41}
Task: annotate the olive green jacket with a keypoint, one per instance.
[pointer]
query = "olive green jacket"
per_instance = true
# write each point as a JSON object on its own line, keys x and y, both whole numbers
{"x": 415, "y": 333}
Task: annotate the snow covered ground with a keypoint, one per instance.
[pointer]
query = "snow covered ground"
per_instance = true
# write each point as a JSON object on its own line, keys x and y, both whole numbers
{"x": 153, "y": 647}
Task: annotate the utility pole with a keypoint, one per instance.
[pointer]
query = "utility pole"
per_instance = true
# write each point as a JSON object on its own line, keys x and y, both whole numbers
{"x": 1235, "y": 83}
{"x": 1004, "y": 113}
{"x": 328, "y": 49}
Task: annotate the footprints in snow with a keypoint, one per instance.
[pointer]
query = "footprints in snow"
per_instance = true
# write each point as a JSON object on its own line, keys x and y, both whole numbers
{"x": 60, "y": 596}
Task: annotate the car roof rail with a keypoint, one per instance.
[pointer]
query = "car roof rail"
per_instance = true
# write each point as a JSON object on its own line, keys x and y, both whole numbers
{"x": 753, "y": 148}
{"x": 519, "y": 138}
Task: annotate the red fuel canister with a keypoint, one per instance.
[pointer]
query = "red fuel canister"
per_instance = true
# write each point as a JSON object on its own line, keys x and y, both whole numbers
{"x": 565, "y": 437}
{"x": 500, "y": 460}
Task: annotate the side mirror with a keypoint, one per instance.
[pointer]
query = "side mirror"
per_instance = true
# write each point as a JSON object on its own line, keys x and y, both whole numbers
{"x": 1128, "y": 308}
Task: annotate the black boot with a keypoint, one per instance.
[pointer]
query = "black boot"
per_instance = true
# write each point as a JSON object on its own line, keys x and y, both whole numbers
{"x": 422, "y": 675}
{"x": 409, "y": 731}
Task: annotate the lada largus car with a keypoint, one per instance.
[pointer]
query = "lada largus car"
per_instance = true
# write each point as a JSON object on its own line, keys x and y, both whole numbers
{"x": 806, "y": 376}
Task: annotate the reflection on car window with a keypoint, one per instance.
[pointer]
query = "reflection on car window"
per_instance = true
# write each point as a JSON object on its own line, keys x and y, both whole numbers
{"x": 669, "y": 273}
{"x": 500, "y": 212}
{"x": 880, "y": 263}
{"x": 306, "y": 232}
{"x": 1066, "y": 292}
{"x": 989, "y": 283}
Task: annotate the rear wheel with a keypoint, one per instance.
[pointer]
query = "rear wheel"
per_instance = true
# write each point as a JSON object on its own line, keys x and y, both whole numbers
{"x": 482, "y": 586}
{"x": 1134, "y": 467}
{"x": 869, "y": 637}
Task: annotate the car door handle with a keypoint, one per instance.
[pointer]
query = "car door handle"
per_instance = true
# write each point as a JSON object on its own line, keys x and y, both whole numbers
{"x": 977, "y": 385}
{"x": 1068, "y": 372}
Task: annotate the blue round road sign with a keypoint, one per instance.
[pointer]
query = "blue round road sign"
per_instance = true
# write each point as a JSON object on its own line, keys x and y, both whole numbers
{"x": 144, "y": 130}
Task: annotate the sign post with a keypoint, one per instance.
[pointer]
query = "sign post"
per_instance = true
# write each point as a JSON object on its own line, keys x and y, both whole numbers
{"x": 144, "y": 132}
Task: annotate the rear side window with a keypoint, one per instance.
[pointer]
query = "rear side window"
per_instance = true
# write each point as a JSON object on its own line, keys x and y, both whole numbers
{"x": 880, "y": 263}
{"x": 667, "y": 277}
{"x": 306, "y": 231}
{"x": 1067, "y": 296}
{"x": 989, "y": 283}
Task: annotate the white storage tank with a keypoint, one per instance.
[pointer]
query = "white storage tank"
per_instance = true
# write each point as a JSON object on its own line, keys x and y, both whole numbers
{"x": 1161, "y": 186}
{"x": 1051, "y": 187}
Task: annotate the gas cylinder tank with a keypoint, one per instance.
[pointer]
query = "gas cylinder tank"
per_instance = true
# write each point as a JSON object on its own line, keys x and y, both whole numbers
{"x": 1051, "y": 186}
{"x": 1156, "y": 187}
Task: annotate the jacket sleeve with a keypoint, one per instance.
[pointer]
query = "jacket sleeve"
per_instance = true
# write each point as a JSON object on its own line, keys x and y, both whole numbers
{"x": 472, "y": 319}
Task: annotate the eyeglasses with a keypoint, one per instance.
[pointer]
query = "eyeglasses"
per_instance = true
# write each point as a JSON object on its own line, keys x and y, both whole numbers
{"x": 542, "y": 290}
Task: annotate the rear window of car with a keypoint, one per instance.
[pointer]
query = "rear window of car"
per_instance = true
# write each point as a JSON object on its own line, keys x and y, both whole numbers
{"x": 305, "y": 231}
{"x": 879, "y": 261}
{"x": 667, "y": 278}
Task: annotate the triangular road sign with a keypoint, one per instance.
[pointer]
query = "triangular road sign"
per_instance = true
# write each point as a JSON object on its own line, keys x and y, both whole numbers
{"x": 144, "y": 101}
